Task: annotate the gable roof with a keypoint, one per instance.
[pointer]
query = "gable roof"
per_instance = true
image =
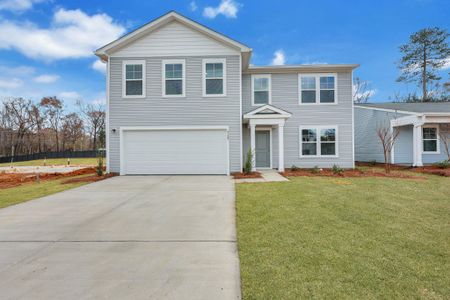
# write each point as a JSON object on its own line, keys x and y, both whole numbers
{"x": 104, "y": 51}
{"x": 420, "y": 107}
{"x": 267, "y": 111}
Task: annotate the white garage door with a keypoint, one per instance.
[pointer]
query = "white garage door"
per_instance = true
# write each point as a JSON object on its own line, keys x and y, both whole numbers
{"x": 175, "y": 151}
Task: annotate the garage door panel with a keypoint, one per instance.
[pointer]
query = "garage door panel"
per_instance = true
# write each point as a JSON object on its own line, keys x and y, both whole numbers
{"x": 175, "y": 152}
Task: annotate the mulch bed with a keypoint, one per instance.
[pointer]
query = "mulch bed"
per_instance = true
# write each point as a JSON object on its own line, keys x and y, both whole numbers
{"x": 240, "y": 175}
{"x": 92, "y": 178}
{"x": 348, "y": 173}
{"x": 430, "y": 169}
{"x": 9, "y": 180}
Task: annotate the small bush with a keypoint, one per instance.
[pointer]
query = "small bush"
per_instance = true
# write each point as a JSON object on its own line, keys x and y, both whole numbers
{"x": 294, "y": 168}
{"x": 248, "y": 162}
{"x": 372, "y": 163}
{"x": 315, "y": 170}
{"x": 337, "y": 170}
{"x": 445, "y": 164}
{"x": 99, "y": 168}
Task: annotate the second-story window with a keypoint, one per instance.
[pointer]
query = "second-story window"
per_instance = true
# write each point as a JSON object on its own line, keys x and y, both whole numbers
{"x": 133, "y": 79}
{"x": 317, "y": 89}
{"x": 214, "y": 77}
{"x": 261, "y": 89}
{"x": 173, "y": 78}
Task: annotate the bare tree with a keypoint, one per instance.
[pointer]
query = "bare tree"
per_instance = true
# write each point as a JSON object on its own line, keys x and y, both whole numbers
{"x": 94, "y": 115}
{"x": 53, "y": 109}
{"x": 72, "y": 131}
{"x": 444, "y": 136}
{"x": 361, "y": 91}
{"x": 387, "y": 136}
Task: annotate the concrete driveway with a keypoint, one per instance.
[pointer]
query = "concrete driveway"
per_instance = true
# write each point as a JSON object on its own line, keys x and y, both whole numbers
{"x": 133, "y": 237}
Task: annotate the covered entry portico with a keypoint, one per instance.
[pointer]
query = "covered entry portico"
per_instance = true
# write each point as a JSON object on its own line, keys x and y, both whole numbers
{"x": 267, "y": 117}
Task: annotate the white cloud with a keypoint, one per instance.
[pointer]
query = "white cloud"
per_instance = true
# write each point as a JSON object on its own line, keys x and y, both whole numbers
{"x": 16, "y": 71}
{"x": 228, "y": 8}
{"x": 100, "y": 66}
{"x": 72, "y": 34}
{"x": 10, "y": 83}
{"x": 446, "y": 65}
{"x": 18, "y": 5}
{"x": 193, "y": 6}
{"x": 46, "y": 78}
{"x": 70, "y": 95}
{"x": 279, "y": 58}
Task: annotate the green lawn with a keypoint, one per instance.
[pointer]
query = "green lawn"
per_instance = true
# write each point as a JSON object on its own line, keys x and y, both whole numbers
{"x": 345, "y": 238}
{"x": 55, "y": 161}
{"x": 31, "y": 191}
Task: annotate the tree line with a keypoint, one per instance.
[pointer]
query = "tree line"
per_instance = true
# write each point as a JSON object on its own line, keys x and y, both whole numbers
{"x": 423, "y": 57}
{"x": 28, "y": 127}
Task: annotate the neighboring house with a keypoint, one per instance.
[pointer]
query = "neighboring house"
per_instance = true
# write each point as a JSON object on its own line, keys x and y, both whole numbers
{"x": 183, "y": 99}
{"x": 419, "y": 126}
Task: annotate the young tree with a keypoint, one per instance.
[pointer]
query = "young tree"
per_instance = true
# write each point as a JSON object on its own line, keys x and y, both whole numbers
{"x": 72, "y": 131}
{"x": 53, "y": 109}
{"x": 361, "y": 91}
{"x": 444, "y": 136}
{"x": 387, "y": 136}
{"x": 426, "y": 52}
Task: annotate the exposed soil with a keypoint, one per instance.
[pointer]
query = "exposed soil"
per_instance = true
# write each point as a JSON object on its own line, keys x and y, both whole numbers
{"x": 240, "y": 175}
{"x": 349, "y": 173}
{"x": 92, "y": 178}
{"x": 8, "y": 180}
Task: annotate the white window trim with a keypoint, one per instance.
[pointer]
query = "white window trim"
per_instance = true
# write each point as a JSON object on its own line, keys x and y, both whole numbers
{"x": 183, "y": 77}
{"x": 318, "y": 128}
{"x": 254, "y": 76}
{"x": 438, "y": 145}
{"x": 317, "y": 79}
{"x": 224, "y": 77}
{"x": 124, "y": 76}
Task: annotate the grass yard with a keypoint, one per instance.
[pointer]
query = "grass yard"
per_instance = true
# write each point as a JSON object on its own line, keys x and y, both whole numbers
{"x": 29, "y": 191}
{"x": 345, "y": 238}
{"x": 54, "y": 161}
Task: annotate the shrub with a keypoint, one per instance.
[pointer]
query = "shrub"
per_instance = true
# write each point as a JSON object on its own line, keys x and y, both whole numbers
{"x": 337, "y": 170}
{"x": 315, "y": 170}
{"x": 99, "y": 168}
{"x": 372, "y": 163}
{"x": 294, "y": 168}
{"x": 248, "y": 162}
{"x": 445, "y": 164}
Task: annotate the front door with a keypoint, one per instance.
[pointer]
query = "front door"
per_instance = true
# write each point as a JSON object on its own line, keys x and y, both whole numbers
{"x": 262, "y": 149}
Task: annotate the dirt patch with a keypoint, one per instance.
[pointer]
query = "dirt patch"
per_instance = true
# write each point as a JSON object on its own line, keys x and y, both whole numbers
{"x": 348, "y": 173}
{"x": 240, "y": 175}
{"x": 92, "y": 178}
{"x": 9, "y": 180}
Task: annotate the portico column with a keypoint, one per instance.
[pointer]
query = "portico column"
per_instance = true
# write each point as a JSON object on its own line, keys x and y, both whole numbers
{"x": 417, "y": 145}
{"x": 281, "y": 148}
{"x": 252, "y": 144}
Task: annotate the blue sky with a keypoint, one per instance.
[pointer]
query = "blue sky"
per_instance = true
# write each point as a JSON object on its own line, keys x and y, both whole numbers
{"x": 46, "y": 46}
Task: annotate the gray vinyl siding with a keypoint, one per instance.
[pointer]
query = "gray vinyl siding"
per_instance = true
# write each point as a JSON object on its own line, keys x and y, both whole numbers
{"x": 367, "y": 144}
{"x": 403, "y": 146}
{"x": 194, "y": 109}
{"x": 285, "y": 96}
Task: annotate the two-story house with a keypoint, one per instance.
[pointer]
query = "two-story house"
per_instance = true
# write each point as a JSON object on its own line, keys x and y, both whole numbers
{"x": 183, "y": 99}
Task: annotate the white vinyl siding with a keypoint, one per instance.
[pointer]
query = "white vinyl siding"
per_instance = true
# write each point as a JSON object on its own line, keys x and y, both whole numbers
{"x": 133, "y": 79}
{"x": 214, "y": 77}
{"x": 318, "y": 141}
{"x": 174, "y": 78}
{"x": 430, "y": 139}
{"x": 317, "y": 89}
{"x": 261, "y": 89}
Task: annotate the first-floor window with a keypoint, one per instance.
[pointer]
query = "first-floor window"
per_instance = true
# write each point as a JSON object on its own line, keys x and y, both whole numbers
{"x": 133, "y": 79}
{"x": 318, "y": 141}
{"x": 430, "y": 139}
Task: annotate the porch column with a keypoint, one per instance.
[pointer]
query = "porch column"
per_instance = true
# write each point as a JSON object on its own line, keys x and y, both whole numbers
{"x": 281, "y": 148}
{"x": 417, "y": 145}
{"x": 252, "y": 144}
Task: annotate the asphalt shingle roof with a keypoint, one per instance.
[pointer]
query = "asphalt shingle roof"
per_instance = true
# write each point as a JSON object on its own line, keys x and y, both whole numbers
{"x": 429, "y": 107}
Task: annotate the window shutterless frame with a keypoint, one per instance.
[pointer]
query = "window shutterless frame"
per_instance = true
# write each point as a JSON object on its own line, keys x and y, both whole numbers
{"x": 224, "y": 76}
{"x": 124, "y": 78}
{"x": 317, "y": 89}
{"x": 318, "y": 129}
{"x": 183, "y": 77}
{"x": 269, "y": 88}
{"x": 437, "y": 139}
